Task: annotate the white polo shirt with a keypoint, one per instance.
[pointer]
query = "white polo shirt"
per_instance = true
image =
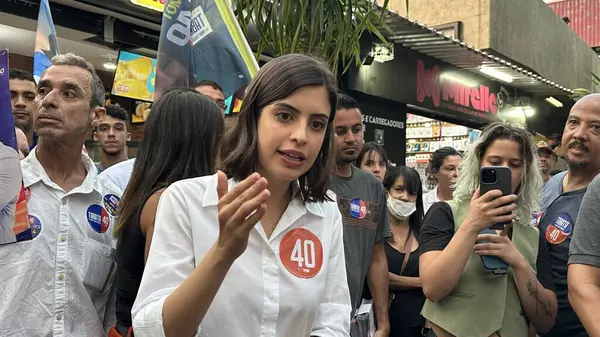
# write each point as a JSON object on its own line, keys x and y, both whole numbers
{"x": 120, "y": 173}
{"x": 292, "y": 284}
{"x": 58, "y": 284}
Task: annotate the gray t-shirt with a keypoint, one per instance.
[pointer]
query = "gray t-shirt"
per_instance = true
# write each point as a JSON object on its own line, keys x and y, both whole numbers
{"x": 560, "y": 210}
{"x": 585, "y": 245}
{"x": 361, "y": 199}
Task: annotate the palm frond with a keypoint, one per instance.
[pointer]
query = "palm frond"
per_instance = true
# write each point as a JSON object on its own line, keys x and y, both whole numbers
{"x": 328, "y": 29}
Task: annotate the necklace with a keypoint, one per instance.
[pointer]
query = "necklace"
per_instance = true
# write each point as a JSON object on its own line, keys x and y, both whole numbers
{"x": 272, "y": 223}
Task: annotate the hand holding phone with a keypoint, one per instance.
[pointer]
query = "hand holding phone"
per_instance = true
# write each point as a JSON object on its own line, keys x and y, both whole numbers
{"x": 489, "y": 209}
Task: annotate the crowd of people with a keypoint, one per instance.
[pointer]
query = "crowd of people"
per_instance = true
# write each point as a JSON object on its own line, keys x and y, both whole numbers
{"x": 286, "y": 223}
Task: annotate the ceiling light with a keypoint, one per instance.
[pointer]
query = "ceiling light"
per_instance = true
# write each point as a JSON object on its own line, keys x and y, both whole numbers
{"x": 109, "y": 66}
{"x": 529, "y": 111}
{"x": 495, "y": 73}
{"x": 554, "y": 102}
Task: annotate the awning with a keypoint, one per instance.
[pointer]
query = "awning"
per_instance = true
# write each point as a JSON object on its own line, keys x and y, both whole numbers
{"x": 428, "y": 41}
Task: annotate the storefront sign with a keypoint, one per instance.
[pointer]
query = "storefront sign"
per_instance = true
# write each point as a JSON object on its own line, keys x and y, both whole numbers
{"x": 453, "y": 94}
{"x": 384, "y": 122}
{"x": 367, "y": 119}
{"x": 157, "y": 5}
{"x": 417, "y": 79}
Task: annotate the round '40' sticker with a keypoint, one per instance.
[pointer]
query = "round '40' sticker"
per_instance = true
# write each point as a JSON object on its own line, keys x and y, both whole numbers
{"x": 98, "y": 218}
{"x": 559, "y": 229}
{"x": 111, "y": 203}
{"x": 301, "y": 252}
{"x": 358, "y": 208}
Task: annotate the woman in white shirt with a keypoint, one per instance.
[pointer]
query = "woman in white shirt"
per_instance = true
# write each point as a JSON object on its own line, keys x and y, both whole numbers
{"x": 443, "y": 171}
{"x": 261, "y": 254}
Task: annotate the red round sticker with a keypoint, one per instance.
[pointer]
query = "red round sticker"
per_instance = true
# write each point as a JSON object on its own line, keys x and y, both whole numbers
{"x": 301, "y": 253}
{"x": 554, "y": 235}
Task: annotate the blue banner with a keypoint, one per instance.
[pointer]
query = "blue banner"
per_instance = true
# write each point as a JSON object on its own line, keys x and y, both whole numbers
{"x": 201, "y": 40}
{"x": 46, "y": 43}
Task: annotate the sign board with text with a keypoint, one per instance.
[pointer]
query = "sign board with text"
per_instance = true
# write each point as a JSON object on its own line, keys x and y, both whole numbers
{"x": 420, "y": 80}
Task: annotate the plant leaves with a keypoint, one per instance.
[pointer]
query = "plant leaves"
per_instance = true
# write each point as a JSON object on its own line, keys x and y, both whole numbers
{"x": 328, "y": 29}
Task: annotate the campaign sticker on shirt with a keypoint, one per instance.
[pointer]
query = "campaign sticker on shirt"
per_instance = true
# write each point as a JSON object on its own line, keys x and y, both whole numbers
{"x": 301, "y": 253}
{"x": 536, "y": 218}
{"x": 111, "y": 203}
{"x": 98, "y": 218}
{"x": 358, "y": 208}
{"x": 559, "y": 229}
{"x": 27, "y": 191}
{"x": 36, "y": 226}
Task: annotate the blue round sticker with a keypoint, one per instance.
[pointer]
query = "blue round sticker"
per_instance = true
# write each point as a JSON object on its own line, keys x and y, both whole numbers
{"x": 36, "y": 226}
{"x": 111, "y": 203}
{"x": 98, "y": 218}
{"x": 358, "y": 208}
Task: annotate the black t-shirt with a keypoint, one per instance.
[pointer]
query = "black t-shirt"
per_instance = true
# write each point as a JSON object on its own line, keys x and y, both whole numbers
{"x": 556, "y": 228}
{"x": 405, "y": 310}
{"x": 438, "y": 229}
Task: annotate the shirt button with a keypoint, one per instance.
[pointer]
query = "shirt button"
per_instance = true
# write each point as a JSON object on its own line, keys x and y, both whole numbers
{"x": 58, "y": 316}
{"x": 272, "y": 298}
{"x": 64, "y": 201}
{"x": 61, "y": 276}
{"x": 63, "y": 238}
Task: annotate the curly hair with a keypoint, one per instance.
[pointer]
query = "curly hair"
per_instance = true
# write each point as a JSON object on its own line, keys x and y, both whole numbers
{"x": 529, "y": 189}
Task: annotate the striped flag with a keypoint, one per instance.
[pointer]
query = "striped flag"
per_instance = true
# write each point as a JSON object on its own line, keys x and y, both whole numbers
{"x": 201, "y": 40}
{"x": 46, "y": 43}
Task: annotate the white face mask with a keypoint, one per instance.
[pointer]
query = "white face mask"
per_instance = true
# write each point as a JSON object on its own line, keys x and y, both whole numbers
{"x": 401, "y": 210}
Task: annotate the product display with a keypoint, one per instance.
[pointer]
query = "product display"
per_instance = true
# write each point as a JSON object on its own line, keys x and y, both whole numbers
{"x": 425, "y": 135}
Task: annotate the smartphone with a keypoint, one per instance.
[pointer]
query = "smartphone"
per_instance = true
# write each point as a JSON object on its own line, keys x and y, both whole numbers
{"x": 493, "y": 263}
{"x": 495, "y": 178}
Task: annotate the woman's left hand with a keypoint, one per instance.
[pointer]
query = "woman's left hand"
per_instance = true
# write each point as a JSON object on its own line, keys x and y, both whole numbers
{"x": 500, "y": 246}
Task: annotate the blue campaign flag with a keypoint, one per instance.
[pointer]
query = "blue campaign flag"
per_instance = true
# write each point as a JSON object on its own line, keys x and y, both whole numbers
{"x": 201, "y": 40}
{"x": 46, "y": 42}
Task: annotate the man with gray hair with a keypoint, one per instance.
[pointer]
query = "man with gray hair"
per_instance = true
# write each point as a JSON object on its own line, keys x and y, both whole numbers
{"x": 59, "y": 283}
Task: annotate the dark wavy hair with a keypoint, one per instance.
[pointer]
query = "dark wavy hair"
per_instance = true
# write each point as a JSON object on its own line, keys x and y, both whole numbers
{"x": 276, "y": 80}
{"x": 179, "y": 142}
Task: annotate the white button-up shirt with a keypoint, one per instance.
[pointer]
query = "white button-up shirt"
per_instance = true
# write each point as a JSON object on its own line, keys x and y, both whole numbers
{"x": 120, "y": 173}
{"x": 292, "y": 284}
{"x": 58, "y": 284}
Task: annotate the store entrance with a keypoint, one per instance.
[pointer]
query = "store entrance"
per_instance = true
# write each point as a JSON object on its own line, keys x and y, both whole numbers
{"x": 424, "y": 135}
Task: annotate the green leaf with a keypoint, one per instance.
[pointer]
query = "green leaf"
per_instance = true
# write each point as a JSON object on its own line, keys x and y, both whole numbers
{"x": 329, "y": 29}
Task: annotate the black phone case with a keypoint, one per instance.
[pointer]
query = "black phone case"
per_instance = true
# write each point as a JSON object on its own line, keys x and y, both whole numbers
{"x": 503, "y": 183}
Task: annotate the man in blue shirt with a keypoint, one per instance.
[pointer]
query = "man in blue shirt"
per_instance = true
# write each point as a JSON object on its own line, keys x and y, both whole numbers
{"x": 561, "y": 198}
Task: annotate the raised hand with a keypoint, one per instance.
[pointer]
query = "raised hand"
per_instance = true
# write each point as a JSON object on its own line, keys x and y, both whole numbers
{"x": 239, "y": 210}
{"x": 490, "y": 209}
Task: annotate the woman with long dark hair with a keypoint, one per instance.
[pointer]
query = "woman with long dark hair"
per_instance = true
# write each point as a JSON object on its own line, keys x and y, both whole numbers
{"x": 262, "y": 253}
{"x": 179, "y": 142}
{"x": 405, "y": 206}
{"x": 373, "y": 158}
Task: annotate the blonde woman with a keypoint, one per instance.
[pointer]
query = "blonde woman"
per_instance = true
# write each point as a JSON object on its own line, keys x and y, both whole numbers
{"x": 463, "y": 298}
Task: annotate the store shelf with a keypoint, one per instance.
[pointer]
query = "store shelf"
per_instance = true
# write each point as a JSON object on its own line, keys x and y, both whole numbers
{"x": 425, "y": 135}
